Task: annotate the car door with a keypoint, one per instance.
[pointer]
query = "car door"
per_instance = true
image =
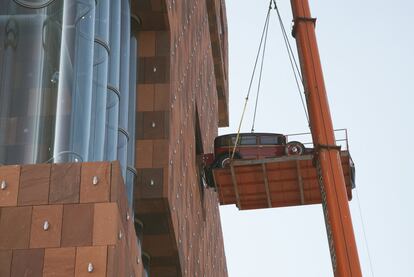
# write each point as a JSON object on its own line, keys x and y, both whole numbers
{"x": 248, "y": 147}
{"x": 270, "y": 146}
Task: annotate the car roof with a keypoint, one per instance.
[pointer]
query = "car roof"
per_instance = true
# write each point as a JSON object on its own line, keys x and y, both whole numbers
{"x": 250, "y": 134}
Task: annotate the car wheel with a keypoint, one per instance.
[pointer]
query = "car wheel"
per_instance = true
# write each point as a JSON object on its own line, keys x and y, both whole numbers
{"x": 224, "y": 160}
{"x": 294, "y": 148}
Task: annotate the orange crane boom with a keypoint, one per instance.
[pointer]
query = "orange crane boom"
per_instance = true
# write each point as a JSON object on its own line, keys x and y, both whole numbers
{"x": 342, "y": 245}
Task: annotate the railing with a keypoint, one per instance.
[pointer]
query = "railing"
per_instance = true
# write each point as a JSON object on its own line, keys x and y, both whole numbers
{"x": 341, "y": 139}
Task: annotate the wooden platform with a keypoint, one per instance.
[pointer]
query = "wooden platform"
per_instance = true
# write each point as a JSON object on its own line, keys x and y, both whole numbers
{"x": 274, "y": 182}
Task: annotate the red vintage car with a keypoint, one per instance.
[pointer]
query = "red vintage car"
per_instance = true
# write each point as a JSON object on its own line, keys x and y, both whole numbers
{"x": 255, "y": 146}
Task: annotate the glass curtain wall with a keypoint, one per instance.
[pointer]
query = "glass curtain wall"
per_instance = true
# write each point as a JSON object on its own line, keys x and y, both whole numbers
{"x": 100, "y": 81}
{"x": 46, "y": 57}
{"x": 68, "y": 82}
{"x": 123, "y": 135}
{"x": 131, "y": 171}
{"x": 121, "y": 96}
{"x": 74, "y": 98}
{"x": 113, "y": 94}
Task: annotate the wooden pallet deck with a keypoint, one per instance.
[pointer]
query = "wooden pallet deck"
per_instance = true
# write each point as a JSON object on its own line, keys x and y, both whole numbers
{"x": 274, "y": 182}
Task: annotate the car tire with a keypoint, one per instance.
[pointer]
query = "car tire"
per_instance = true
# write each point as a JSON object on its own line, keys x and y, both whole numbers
{"x": 294, "y": 148}
{"x": 224, "y": 160}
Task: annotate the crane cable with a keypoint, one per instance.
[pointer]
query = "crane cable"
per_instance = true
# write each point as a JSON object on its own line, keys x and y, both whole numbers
{"x": 251, "y": 79}
{"x": 261, "y": 70}
{"x": 364, "y": 233}
{"x": 293, "y": 62}
{"x": 294, "y": 65}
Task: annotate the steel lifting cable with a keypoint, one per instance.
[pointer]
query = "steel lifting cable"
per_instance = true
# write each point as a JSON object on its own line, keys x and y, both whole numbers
{"x": 261, "y": 71}
{"x": 251, "y": 79}
{"x": 293, "y": 63}
{"x": 364, "y": 233}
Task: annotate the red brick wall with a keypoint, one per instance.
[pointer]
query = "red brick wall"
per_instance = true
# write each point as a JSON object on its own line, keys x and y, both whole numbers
{"x": 194, "y": 209}
{"x": 87, "y": 222}
{"x": 178, "y": 87}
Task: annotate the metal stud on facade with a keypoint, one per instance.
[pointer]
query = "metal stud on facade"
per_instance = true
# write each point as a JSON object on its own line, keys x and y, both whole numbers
{"x": 46, "y": 225}
{"x": 3, "y": 185}
{"x": 90, "y": 267}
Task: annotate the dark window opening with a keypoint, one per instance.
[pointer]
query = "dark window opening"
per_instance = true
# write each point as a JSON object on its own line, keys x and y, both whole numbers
{"x": 198, "y": 140}
{"x": 201, "y": 170}
{"x": 199, "y": 152}
{"x": 248, "y": 140}
{"x": 271, "y": 140}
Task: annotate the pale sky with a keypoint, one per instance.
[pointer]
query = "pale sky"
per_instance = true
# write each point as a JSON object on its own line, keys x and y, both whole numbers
{"x": 367, "y": 50}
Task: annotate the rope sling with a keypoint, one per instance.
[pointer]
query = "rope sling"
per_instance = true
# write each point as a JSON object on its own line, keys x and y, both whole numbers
{"x": 262, "y": 51}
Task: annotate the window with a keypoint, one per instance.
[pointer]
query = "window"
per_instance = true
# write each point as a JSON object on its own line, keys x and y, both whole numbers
{"x": 248, "y": 140}
{"x": 224, "y": 141}
{"x": 270, "y": 140}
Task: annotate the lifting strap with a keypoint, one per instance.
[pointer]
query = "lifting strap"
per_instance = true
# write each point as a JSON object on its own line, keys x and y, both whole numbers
{"x": 264, "y": 36}
{"x": 293, "y": 63}
{"x": 261, "y": 68}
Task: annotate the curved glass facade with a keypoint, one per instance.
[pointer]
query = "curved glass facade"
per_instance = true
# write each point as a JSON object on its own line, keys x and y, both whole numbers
{"x": 68, "y": 83}
{"x": 123, "y": 135}
{"x": 30, "y": 41}
{"x": 113, "y": 94}
{"x": 46, "y": 80}
{"x": 74, "y": 96}
{"x": 100, "y": 80}
{"x": 111, "y": 126}
{"x": 131, "y": 171}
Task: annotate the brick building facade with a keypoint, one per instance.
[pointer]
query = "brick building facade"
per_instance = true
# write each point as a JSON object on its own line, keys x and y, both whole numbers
{"x": 182, "y": 98}
{"x": 73, "y": 218}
